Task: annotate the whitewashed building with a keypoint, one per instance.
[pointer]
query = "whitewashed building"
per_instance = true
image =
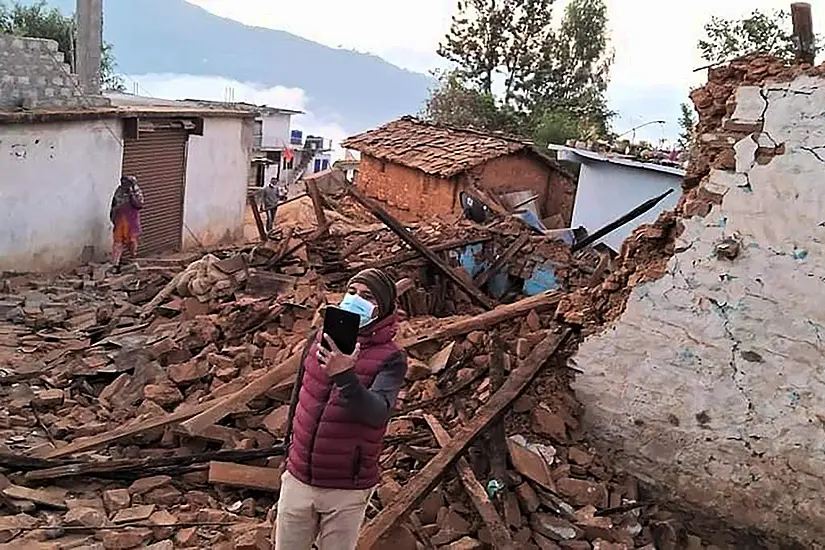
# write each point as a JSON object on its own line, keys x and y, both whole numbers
{"x": 60, "y": 166}
{"x": 610, "y": 187}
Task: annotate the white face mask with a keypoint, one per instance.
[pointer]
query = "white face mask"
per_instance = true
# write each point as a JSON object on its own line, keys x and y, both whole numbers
{"x": 358, "y": 305}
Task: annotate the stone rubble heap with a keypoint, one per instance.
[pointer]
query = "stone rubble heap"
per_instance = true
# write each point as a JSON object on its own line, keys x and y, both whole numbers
{"x": 146, "y": 410}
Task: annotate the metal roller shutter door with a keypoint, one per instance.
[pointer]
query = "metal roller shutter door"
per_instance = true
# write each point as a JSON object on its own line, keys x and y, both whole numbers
{"x": 158, "y": 159}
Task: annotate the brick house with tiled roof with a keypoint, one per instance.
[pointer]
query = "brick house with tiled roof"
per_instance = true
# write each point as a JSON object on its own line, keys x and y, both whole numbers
{"x": 420, "y": 169}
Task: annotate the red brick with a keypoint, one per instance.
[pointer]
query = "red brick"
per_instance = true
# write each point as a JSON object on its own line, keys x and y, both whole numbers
{"x": 411, "y": 194}
{"x": 524, "y": 172}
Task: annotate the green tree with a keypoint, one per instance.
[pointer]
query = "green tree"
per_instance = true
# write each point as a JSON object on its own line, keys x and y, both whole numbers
{"x": 687, "y": 122}
{"x": 522, "y": 69}
{"x": 558, "y": 127}
{"x": 456, "y": 104}
{"x": 109, "y": 78}
{"x": 769, "y": 33}
{"x": 574, "y": 69}
{"x": 40, "y": 21}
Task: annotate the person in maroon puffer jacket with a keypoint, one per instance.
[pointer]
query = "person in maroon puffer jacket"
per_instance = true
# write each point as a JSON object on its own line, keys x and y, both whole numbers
{"x": 337, "y": 420}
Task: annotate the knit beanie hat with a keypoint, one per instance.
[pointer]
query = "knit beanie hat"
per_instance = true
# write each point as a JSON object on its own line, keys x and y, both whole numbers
{"x": 381, "y": 286}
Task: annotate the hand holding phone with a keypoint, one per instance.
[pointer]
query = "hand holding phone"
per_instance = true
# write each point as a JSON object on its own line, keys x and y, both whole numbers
{"x": 332, "y": 360}
{"x": 338, "y": 347}
{"x": 342, "y": 327}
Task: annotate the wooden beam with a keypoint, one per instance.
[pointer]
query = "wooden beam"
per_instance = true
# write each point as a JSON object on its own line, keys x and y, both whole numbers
{"x": 508, "y": 254}
{"x": 256, "y": 213}
{"x": 358, "y": 244}
{"x": 538, "y": 302}
{"x": 498, "y": 531}
{"x": 197, "y": 425}
{"x": 395, "y": 226}
{"x": 18, "y": 492}
{"x": 412, "y": 255}
{"x": 803, "y": 32}
{"x": 247, "y": 477}
{"x": 317, "y": 203}
{"x": 141, "y": 467}
{"x": 428, "y": 477}
{"x": 497, "y": 434}
{"x": 97, "y": 441}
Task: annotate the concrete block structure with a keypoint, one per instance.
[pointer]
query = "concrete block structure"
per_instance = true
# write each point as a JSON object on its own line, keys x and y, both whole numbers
{"x": 34, "y": 74}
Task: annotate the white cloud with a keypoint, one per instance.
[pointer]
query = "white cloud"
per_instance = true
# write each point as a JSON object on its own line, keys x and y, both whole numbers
{"x": 655, "y": 41}
{"x": 215, "y": 88}
{"x": 406, "y": 33}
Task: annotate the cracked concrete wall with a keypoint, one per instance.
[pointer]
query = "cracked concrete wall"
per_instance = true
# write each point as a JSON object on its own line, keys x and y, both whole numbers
{"x": 712, "y": 382}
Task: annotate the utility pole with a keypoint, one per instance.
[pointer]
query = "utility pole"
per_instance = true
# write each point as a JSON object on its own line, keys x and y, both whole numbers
{"x": 89, "y": 17}
{"x": 803, "y": 32}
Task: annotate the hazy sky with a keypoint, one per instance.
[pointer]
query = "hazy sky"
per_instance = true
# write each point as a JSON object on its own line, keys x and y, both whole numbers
{"x": 655, "y": 40}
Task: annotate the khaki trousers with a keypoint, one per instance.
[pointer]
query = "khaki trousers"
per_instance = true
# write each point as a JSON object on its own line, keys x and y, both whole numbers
{"x": 331, "y": 518}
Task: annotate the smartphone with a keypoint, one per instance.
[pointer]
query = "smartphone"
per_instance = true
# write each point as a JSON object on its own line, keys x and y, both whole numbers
{"x": 342, "y": 326}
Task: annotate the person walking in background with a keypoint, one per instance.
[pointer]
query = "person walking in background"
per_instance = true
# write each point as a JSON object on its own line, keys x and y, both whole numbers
{"x": 338, "y": 416}
{"x": 124, "y": 213}
{"x": 272, "y": 198}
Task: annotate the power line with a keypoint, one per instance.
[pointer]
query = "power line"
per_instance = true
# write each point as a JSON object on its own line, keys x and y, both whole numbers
{"x": 138, "y": 87}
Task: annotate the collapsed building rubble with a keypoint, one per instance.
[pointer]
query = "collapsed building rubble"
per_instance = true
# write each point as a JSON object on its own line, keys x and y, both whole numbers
{"x": 729, "y": 272}
{"x": 147, "y": 409}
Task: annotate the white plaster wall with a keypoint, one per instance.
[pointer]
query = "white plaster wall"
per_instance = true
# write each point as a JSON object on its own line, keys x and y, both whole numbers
{"x": 216, "y": 182}
{"x": 276, "y": 129}
{"x": 608, "y": 191}
{"x": 712, "y": 383}
{"x": 56, "y": 186}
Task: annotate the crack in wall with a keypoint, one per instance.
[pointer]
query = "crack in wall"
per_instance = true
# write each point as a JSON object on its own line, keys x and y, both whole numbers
{"x": 765, "y": 93}
{"x": 767, "y": 283}
{"x": 812, "y": 150}
{"x": 722, "y": 310}
{"x": 791, "y": 91}
{"x": 748, "y": 188}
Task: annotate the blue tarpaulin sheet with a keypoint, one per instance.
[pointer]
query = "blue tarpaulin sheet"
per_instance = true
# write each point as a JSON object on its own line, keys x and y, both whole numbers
{"x": 468, "y": 260}
{"x": 542, "y": 279}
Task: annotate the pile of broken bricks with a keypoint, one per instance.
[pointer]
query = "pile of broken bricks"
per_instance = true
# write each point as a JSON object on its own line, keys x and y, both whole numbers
{"x": 144, "y": 417}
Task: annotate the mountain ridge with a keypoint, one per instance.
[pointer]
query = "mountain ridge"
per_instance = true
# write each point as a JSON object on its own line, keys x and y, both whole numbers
{"x": 175, "y": 37}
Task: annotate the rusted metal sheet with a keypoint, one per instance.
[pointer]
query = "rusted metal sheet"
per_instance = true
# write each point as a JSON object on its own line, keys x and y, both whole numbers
{"x": 158, "y": 159}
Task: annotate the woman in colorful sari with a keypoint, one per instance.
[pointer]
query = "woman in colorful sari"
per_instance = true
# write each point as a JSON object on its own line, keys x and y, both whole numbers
{"x": 125, "y": 215}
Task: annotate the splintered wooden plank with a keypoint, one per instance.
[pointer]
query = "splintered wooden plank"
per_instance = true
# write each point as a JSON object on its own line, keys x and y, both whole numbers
{"x": 498, "y": 531}
{"x": 259, "y": 223}
{"x": 95, "y": 442}
{"x": 317, "y": 203}
{"x": 474, "y": 293}
{"x": 196, "y": 425}
{"x": 428, "y": 477}
{"x": 508, "y": 254}
{"x": 488, "y": 319}
{"x": 247, "y": 477}
{"x": 38, "y": 496}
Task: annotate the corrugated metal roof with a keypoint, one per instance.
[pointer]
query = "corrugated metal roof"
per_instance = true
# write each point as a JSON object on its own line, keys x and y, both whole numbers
{"x": 570, "y": 154}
